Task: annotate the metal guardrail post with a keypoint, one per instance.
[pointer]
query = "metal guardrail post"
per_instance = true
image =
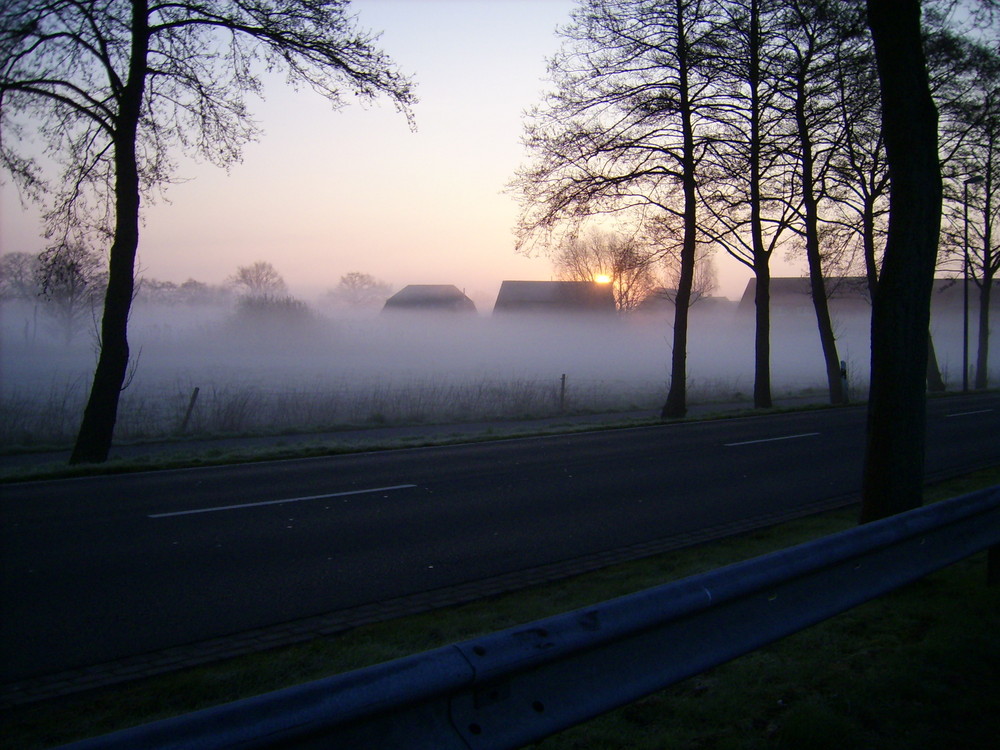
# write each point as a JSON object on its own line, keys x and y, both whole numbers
{"x": 516, "y": 686}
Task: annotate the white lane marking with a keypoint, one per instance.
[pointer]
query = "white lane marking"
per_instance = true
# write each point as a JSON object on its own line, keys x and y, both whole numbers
{"x": 771, "y": 440}
{"x": 282, "y": 501}
{"x": 968, "y": 413}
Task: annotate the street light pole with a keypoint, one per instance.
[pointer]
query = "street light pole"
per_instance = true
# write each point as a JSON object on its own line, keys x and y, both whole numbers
{"x": 974, "y": 180}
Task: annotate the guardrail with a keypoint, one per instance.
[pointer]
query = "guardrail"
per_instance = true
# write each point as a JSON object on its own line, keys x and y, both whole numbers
{"x": 516, "y": 686}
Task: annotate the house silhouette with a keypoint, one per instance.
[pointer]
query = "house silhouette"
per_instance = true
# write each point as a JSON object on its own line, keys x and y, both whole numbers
{"x": 849, "y": 294}
{"x": 429, "y": 298}
{"x": 554, "y": 297}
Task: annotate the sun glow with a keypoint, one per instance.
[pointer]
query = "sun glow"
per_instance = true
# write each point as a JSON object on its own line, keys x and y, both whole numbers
{"x": 602, "y": 278}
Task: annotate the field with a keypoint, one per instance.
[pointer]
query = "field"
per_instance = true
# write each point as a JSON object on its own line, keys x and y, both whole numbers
{"x": 314, "y": 371}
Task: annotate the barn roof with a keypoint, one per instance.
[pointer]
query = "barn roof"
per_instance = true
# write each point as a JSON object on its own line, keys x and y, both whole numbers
{"x": 430, "y": 297}
{"x": 852, "y": 291}
{"x": 554, "y": 296}
{"x": 794, "y": 291}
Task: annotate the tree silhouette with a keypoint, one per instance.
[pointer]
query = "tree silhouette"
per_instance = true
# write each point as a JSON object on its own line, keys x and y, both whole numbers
{"x": 751, "y": 191}
{"x": 624, "y": 262}
{"x": 114, "y": 88}
{"x": 259, "y": 279}
{"x": 894, "y": 457}
{"x": 18, "y": 276}
{"x": 357, "y": 290}
{"x": 623, "y": 132}
{"x": 70, "y": 279}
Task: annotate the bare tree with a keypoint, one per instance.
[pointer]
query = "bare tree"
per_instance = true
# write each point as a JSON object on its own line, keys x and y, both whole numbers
{"x": 113, "y": 88}
{"x": 664, "y": 233}
{"x": 858, "y": 182}
{"x": 818, "y": 36}
{"x": 860, "y": 178}
{"x": 623, "y": 132}
{"x": 894, "y": 457}
{"x": 71, "y": 280}
{"x": 705, "y": 281}
{"x": 620, "y": 260}
{"x": 985, "y": 254}
{"x": 751, "y": 190}
{"x": 259, "y": 279}
{"x": 18, "y": 276}
{"x": 358, "y": 290}
{"x": 972, "y": 184}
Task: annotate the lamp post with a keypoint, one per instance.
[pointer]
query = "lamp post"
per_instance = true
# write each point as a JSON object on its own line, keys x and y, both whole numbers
{"x": 974, "y": 180}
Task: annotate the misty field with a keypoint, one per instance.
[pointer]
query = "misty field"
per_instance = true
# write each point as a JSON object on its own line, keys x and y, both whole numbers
{"x": 313, "y": 371}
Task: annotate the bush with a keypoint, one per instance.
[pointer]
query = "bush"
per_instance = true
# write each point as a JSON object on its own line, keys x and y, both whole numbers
{"x": 278, "y": 319}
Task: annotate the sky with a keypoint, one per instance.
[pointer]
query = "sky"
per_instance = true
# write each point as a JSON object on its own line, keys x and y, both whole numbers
{"x": 328, "y": 192}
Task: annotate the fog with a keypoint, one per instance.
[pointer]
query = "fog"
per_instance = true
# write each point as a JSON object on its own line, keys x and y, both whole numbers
{"x": 315, "y": 368}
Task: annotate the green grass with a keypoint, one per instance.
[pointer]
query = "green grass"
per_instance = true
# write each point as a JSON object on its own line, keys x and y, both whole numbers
{"x": 914, "y": 669}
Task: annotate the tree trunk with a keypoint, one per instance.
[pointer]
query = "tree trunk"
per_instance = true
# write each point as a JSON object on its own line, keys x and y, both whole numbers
{"x": 983, "y": 351}
{"x": 817, "y": 285}
{"x": 97, "y": 428}
{"x": 935, "y": 384}
{"x": 762, "y": 338}
{"x": 989, "y": 267}
{"x": 894, "y": 456}
{"x": 676, "y": 404}
{"x": 868, "y": 241}
{"x": 828, "y": 341}
{"x": 761, "y": 258}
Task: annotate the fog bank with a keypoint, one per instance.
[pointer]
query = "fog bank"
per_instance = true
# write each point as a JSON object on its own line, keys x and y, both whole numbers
{"x": 304, "y": 370}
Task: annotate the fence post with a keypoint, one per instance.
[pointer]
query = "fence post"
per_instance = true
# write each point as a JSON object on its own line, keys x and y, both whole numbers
{"x": 562, "y": 393}
{"x": 187, "y": 414}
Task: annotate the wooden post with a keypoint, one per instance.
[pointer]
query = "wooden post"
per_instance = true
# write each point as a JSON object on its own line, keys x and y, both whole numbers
{"x": 562, "y": 393}
{"x": 187, "y": 415}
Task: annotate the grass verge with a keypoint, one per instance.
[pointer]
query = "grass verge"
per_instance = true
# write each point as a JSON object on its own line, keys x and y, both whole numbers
{"x": 914, "y": 669}
{"x": 178, "y": 454}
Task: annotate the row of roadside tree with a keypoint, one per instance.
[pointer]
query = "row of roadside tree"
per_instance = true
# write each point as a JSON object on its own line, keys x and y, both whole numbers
{"x": 755, "y": 126}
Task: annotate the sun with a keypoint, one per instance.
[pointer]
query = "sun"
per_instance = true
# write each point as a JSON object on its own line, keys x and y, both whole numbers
{"x": 602, "y": 278}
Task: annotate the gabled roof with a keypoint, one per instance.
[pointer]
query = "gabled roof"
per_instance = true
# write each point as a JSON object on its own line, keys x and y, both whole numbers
{"x": 794, "y": 291}
{"x": 852, "y": 291}
{"x": 430, "y": 297}
{"x": 555, "y": 296}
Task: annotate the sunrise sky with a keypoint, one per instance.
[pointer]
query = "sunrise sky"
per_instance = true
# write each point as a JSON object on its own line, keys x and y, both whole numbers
{"x": 324, "y": 193}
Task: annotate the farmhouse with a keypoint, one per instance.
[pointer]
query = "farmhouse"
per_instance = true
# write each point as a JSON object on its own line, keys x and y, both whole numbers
{"x": 555, "y": 297}
{"x": 849, "y": 294}
{"x": 846, "y": 294}
{"x": 429, "y": 298}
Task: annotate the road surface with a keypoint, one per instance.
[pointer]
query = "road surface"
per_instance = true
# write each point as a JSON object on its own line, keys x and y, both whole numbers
{"x": 102, "y": 568}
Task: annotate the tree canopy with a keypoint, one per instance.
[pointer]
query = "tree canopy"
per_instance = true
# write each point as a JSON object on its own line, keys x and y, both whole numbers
{"x": 73, "y": 74}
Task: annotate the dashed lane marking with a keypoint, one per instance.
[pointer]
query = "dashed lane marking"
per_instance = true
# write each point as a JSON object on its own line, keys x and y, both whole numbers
{"x": 282, "y": 501}
{"x": 772, "y": 440}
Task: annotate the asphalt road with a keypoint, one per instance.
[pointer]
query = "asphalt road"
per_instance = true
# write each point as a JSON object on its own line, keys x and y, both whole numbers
{"x": 102, "y": 568}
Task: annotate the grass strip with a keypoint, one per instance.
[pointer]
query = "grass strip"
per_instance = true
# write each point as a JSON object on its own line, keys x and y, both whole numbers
{"x": 275, "y": 448}
{"x": 913, "y": 669}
